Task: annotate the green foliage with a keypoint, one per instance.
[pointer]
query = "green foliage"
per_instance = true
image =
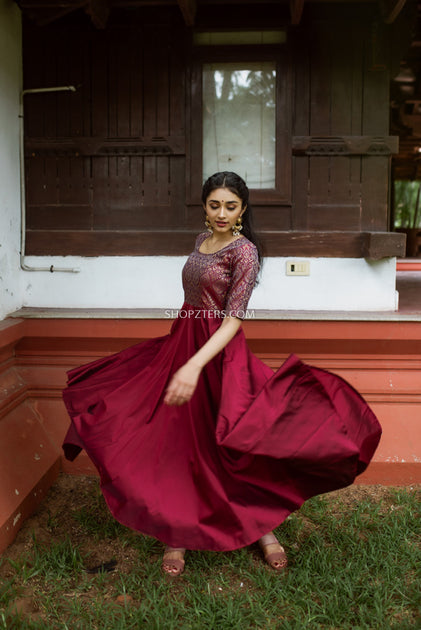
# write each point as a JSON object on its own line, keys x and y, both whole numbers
{"x": 407, "y": 213}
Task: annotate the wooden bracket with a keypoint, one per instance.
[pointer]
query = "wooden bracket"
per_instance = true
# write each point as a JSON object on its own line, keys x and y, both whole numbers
{"x": 296, "y": 10}
{"x": 188, "y": 9}
{"x": 48, "y": 11}
{"x": 390, "y": 9}
{"x": 98, "y": 11}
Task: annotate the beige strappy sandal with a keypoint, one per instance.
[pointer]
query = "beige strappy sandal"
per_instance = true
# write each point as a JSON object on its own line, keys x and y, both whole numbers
{"x": 173, "y": 566}
{"x": 276, "y": 559}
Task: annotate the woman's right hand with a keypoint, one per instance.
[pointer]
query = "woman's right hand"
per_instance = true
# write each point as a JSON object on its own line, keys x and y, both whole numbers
{"x": 183, "y": 384}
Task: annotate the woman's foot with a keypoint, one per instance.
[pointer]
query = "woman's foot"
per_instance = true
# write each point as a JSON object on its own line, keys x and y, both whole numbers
{"x": 274, "y": 554}
{"x": 173, "y": 561}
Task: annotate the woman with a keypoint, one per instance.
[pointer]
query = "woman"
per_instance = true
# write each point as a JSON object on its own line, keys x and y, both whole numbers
{"x": 197, "y": 442}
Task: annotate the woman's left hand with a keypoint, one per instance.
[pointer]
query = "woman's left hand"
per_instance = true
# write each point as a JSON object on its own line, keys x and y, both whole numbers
{"x": 182, "y": 384}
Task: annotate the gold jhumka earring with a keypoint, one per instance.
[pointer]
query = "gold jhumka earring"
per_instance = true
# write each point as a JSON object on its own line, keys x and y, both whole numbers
{"x": 208, "y": 225}
{"x": 236, "y": 229}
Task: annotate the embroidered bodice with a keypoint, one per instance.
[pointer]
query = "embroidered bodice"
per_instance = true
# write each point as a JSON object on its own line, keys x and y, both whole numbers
{"x": 222, "y": 281}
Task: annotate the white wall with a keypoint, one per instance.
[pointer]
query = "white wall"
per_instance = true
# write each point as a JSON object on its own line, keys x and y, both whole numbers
{"x": 10, "y": 86}
{"x": 155, "y": 282}
{"x": 334, "y": 284}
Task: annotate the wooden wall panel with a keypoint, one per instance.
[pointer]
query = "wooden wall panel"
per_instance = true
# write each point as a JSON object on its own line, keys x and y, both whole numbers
{"x": 320, "y": 78}
{"x": 301, "y": 127}
{"x": 348, "y": 95}
{"x": 128, "y": 113}
{"x": 375, "y": 173}
{"x": 115, "y": 156}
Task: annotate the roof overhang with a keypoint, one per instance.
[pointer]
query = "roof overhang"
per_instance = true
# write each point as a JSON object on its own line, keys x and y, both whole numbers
{"x": 46, "y": 11}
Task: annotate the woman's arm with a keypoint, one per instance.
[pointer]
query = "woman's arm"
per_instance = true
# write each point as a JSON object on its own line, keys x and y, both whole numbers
{"x": 184, "y": 381}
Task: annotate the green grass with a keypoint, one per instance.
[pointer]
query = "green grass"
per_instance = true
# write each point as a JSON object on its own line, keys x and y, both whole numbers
{"x": 353, "y": 565}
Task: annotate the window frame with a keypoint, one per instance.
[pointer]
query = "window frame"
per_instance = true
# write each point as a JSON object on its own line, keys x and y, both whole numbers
{"x": 281, "y": 194}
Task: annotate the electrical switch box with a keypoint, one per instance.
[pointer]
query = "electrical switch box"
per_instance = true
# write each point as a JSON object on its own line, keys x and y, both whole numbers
{"x": 298, "y": 268}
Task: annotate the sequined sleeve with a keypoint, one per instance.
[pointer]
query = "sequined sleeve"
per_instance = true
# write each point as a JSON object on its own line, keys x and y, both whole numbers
{"x": 200, "y": 238}
{"x": 244, "y": 270}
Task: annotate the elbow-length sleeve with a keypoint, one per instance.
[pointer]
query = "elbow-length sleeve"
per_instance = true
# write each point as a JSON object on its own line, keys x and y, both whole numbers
{"x": 244, "y": 270}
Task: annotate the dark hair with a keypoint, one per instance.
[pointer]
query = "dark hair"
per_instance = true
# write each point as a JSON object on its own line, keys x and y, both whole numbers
{"x": 235, "y": 184}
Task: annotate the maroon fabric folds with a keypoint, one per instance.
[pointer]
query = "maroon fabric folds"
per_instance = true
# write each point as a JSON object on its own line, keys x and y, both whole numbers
{"x": 219, "y": 472}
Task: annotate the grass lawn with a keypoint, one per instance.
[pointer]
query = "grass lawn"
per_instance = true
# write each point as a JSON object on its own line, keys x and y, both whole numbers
{"x": 354, "y": 564}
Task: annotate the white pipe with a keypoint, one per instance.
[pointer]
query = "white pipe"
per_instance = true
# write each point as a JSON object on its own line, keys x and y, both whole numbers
{"x": 24, "y": 267}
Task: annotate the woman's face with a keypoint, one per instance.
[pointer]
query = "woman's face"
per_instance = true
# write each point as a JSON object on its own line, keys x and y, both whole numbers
{"x": 223, "y": 209}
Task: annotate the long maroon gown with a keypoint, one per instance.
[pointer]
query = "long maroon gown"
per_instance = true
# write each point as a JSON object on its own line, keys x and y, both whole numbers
{"x": 248, "y": 449}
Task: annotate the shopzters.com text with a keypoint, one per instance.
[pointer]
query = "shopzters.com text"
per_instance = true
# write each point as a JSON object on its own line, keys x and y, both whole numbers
{"x": 208, "y": 313}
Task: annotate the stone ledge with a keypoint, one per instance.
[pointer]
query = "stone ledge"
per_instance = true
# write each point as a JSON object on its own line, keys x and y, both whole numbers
{"x": 170, "y": 313}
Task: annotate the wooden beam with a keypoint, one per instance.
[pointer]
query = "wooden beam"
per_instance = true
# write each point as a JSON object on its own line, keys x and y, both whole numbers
{"x": 145, "y": 243}
{"x": 390, "y": 9}
{"x": 188, "y": 9}
{"x": 296, "y": 10}
{"x": 378, "y": 245}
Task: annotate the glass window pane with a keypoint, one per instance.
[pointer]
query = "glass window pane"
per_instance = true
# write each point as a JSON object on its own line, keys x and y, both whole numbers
{"x": 239, "y": 121}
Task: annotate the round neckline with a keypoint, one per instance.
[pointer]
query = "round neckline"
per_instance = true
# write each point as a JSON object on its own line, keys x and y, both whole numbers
{"x": 240, "y": 238}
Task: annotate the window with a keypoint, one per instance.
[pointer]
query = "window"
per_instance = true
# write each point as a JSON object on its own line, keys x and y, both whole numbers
{"x": 239, "y": 121}
{"x": 240, "y": 115}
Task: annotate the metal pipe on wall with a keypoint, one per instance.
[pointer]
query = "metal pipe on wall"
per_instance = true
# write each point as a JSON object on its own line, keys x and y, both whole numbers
{"x": 24, "y": 267}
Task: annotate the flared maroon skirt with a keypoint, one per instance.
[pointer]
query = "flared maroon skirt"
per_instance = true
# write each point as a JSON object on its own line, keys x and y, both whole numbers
{"x": 222, "y": 470}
